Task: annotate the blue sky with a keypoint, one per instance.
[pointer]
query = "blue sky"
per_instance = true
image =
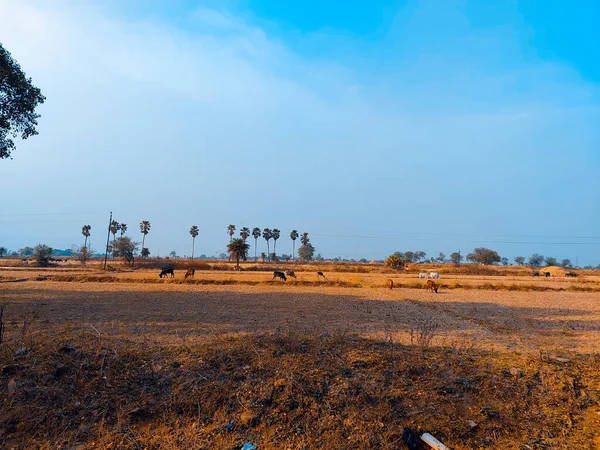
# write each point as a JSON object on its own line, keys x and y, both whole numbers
{"x": 376, "y": 127}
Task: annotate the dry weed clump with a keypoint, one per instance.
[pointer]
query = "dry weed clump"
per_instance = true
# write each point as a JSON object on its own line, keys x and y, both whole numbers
{"x": 288, "y": 391}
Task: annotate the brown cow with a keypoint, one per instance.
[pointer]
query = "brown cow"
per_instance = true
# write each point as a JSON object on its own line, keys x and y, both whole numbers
{"x": 320, "y": 274}
{"x": 190, "y": 273}
{"x": 431, "y": 286}
{"x": 390, "y": 284}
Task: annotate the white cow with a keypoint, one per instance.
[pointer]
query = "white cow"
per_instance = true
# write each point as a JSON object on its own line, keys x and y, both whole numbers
{"x": 423, "y": 275}
{"x": 434, "y": 275}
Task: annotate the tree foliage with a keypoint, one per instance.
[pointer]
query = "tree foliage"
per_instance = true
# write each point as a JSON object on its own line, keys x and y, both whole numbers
{"x": 42, "y": 254}
{"x": 484, "y": 255}
{"x": 566, "y": 263}
{"x": 306, "y": 252}
{"x": 456, "y": 258}
{"x": 238, "y": 250}
{"x": 18, "y": 100}
{"x": 520, "y": 260}
{"x": 551, "y": 261}
{"x": 536, "y": 260}
{"x": 125, "y": 248}
{"x": 395, "y": 261}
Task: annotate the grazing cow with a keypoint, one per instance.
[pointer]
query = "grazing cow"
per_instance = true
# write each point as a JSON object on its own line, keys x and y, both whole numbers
{"x": 423, "y": 275}
{"x": 167, "y": 271}
{"x": 320, "y": 274}
{"x": 434, "y": 275}
{"x": 431, "y": 286}
{"x": 190, "y": 273}
{"x": 290, "y": 273}
{"x": 279, "y": 275}
{"x": 546, "y": 274}
{"x": 536, "y": 274}
{"x": 570, "y": 274}
{"x": 390, "y": 284}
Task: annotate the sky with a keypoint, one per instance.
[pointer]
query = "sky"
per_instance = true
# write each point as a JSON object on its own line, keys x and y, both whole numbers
{"x": 379, "y": 126}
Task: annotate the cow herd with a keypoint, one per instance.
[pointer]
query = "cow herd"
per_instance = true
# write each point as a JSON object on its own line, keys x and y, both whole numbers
{"x": 430, "y": 275}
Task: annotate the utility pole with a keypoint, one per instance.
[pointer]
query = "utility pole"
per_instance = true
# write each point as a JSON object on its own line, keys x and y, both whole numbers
{"x": 107, "y": 240}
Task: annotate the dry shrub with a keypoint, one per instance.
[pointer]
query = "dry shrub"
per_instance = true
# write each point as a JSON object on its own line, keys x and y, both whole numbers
{"x": 423, "y": 332}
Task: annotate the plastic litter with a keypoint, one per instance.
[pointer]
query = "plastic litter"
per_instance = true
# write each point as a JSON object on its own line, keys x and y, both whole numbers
{"x": 229, "y": 426}
{"x": 433, "y": 442}
{"x": 249, "y": 446}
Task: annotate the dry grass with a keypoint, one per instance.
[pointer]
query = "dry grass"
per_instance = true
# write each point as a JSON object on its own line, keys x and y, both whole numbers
{"x": 127, "y": 360}
{"x": 288, "y": 391}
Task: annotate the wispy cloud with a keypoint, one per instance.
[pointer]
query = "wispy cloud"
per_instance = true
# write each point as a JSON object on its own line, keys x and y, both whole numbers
{"x": 220, "y": 122}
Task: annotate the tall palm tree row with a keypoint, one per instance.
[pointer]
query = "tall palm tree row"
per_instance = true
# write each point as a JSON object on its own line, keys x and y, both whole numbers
{"x": 267, "y": 234}
{"x": 194, "y": 232}
{"x": 231, "y": 231}
{"x": 144, "y": 229}
{"x": 255, "y": 235}
{"x": 85, "y": 230}
{"x": 293, "y": 236}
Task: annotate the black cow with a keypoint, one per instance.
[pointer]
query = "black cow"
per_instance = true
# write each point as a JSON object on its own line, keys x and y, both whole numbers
{"x": 546, "y": 274}
{"x": 536, "y": 274}
{"x": 166, "y": 271}
{"x": 570, "y": 274}
{"x": 279, "y": 275}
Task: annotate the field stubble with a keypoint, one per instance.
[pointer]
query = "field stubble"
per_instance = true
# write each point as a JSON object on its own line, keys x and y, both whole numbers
{"x": 325, "y": 365}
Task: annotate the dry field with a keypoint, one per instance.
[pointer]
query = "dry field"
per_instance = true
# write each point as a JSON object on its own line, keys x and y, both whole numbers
{"x": 92, "y": 359}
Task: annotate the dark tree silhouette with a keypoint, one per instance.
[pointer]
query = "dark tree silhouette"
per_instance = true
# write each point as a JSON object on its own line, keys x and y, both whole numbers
{"x": 231, "y": 232}
{"x": 194, "y": 231}
{"x": 18, "y": 100}
{"x": 245, "y": 233}
{"x": 238, "y": 250}
{"x": 293, "y": 236}
{"x": 114, "y": 229}
{"x": 123, "y": 228}
{"x": 144, "y": 229}
{"x": 85, "y": 230}
{"x": 255, "y": 235}
{"x": 275, "y": 234}
{"x": 267, "y": 234}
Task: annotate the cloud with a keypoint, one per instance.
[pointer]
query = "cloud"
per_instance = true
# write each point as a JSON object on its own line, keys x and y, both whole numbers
{"x": 221, "y": 122}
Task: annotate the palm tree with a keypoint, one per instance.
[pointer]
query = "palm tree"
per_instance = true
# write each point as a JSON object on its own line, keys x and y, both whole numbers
{"x": 293, "y": 237}
{"x": 123, "y": 228}
{"x": 145, "y": 229}
{"x": 304, "y": 239}
{"x": 245, "y": 233}
{"x": 267, "y": 234}
{"x": 114, "y": 229}
{"x": 230, "y": 232}
{"x": 275, "y": 234}
{"x": 238, "y": 249}
{"x": 194, "y": 232}
{"x": 85, "y": 230}
{"x": 255, "y": 235}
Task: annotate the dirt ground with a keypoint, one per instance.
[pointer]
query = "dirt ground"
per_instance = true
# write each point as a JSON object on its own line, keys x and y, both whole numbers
{"x": 175, "y": 313}
{"x": 125, "y": 360}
